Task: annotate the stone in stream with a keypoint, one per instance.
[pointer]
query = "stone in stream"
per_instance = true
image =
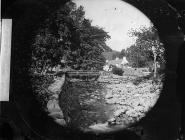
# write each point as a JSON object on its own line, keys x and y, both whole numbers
{"x": 116, "y": 82}
{"x": 57, "y": 85}
{"x": 120, "y": 111}
{"x": 109, "y": 95}
{"x": 55, "y": 96}
{"x": 121, "y": 102}
{"x": 112, "y": 101}
{"x": 60, "y": 121}
{"x": 132, "y": 113}
{"x": 112, "y": 121}
{"x": 53, "y": 106}
{"x": 101, "y": 127}
{"x": 57, "y": 115}
{"x": 89, "y": 101}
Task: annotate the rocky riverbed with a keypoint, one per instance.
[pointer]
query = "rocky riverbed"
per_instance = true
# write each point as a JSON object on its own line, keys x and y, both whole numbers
{"x": 131, "y": 101}
{"x": 112, "y": 102}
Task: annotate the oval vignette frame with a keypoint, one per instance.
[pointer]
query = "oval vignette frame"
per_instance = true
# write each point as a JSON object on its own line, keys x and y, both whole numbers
{"x": 34, "y": 121}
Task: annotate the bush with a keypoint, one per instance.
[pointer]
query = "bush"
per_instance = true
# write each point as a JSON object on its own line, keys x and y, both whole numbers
{"x": 138, "y": 80}
{"x": 40, "y": 84}
{"x": 117, "y": 71}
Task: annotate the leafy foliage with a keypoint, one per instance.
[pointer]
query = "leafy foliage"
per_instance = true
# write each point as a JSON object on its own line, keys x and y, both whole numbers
{"x": 115, "y": 55}
{"x": 138, "y": 57}
{"x": 122, "y": 53}
{"x": 68, "y": 35}
{"x": 141, "y": 54}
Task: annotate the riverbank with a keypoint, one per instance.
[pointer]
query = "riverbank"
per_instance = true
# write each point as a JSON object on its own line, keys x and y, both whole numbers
{"x": 110, "y": 102}
{"x": 165, "y": 110}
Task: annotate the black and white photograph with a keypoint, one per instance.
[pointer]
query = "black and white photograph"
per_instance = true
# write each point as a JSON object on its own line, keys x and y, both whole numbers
{"x": 92, "y": 69}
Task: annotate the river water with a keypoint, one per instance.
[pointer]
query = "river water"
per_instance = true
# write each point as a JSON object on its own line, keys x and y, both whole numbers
{"x": 83, "y": 104}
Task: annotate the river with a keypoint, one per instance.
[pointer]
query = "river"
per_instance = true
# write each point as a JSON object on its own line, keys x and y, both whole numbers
{"x": 84, "y": 104}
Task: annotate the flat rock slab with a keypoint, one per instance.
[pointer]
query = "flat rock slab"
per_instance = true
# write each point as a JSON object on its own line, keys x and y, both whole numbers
{"x": 58, "y": 115}
{"x": 57, "y": 85}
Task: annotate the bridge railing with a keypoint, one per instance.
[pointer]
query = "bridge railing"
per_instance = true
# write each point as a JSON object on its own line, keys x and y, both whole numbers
{"x": 80, "y": 74}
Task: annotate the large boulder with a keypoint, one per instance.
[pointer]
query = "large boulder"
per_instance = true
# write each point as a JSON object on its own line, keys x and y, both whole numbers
{"x": 53, "y": 106}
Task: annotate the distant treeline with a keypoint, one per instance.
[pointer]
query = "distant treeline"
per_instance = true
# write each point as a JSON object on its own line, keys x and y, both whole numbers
{"x": 111, "y": 55}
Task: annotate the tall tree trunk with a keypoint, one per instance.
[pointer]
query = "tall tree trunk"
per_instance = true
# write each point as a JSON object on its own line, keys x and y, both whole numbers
{"x": 155, "y": 65}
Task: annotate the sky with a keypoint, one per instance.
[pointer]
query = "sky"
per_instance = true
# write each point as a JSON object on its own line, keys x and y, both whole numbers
{"x": 115, "y": 17}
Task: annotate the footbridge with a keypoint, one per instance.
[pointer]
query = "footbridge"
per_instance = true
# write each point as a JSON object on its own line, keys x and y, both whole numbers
{"x": 86, "y": 75}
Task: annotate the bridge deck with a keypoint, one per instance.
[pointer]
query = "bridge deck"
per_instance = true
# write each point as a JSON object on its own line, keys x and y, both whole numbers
{"x": 80, "y": 74}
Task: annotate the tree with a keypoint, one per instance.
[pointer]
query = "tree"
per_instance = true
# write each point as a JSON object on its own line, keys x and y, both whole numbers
{"x": 122, "y": 53}
{"x": 68, "y": 35}
{"x": 137, "y": 57}
{"x": 143, "y": 51}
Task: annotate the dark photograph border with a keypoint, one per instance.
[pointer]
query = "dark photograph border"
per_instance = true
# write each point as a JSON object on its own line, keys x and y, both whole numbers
{"x": 23, "y": 118}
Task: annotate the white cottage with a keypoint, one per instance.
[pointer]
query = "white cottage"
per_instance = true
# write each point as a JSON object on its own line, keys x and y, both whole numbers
{"x": 124, "y": 61}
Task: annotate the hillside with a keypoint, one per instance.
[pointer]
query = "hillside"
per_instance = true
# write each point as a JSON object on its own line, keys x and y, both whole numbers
{"x": 106, "y": 48}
